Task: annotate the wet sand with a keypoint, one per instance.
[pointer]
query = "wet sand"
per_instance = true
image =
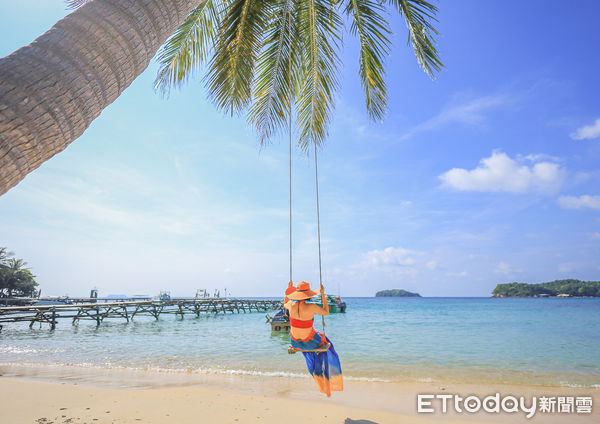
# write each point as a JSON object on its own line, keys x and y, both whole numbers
{"x": 69, "y": 394}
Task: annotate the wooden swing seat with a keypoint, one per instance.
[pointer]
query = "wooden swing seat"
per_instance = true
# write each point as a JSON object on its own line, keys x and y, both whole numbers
{"x": 325, "y": 348}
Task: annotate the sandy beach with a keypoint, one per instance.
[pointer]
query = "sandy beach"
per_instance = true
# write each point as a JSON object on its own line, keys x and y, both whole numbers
{"x": 67, "y": 403}
{"x": 79, "y": 395}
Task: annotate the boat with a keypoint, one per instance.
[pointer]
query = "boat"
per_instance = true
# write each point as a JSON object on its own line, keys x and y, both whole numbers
{"x": 54, "y": 300}
{"x": 336, "y": 305}
{"x": 280, "y": 322}
{"x": 16, "y": 301}
{"x": 163, "y": 296}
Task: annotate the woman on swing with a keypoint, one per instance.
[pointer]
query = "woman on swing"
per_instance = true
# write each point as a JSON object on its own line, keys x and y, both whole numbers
{"x": 321, "y": 358}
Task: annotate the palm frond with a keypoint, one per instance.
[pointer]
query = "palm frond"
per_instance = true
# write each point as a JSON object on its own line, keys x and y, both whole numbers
{"x": 238, "y": 43}
{"x": 75, "y": 4}
{"x": 319, "y": 30}
{"x": 272, "y": 92}
{"x": 373, "y": 30}
{"x": 188, "y": 47}
{"x": 250, "y": 47}
{"x": 419, "y": 15}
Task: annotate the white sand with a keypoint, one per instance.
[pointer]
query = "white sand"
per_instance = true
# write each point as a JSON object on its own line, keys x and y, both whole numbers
{"x": 180, "y": 399}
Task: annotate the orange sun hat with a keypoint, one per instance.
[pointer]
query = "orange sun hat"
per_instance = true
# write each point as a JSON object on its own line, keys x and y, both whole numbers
{"x": 302, "y": 292}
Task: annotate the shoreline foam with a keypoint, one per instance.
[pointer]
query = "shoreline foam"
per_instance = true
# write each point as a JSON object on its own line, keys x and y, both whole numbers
{"x": 192, "y": 371}
{"x": 378, "y": 402}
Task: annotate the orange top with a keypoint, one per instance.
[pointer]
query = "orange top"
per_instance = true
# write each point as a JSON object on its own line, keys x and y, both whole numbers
{"x": 299, "y": 323}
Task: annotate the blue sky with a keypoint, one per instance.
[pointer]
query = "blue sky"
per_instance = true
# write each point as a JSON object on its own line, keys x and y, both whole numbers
{"x": 488, "y": 174}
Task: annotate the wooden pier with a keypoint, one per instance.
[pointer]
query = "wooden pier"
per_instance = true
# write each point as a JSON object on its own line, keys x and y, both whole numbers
{"x": 127, "y": 310}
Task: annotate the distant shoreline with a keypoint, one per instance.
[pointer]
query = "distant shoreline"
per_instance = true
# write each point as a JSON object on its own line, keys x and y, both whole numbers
{"x": 557, "y": 288}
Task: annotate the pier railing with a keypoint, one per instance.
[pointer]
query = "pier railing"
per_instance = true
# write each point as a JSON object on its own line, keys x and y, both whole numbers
{"x": 127, "y": 310}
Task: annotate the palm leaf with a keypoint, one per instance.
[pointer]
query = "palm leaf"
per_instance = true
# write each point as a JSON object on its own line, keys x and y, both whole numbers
{"x": 188, "y": 47}
{"x": 75, "y": 4}
{"x": 272, "y": 92}
{"x": 250, "y": 45}
{"x": 319, "y": 31}
{"x": 418, "y": 15}
{"x": 238, "y": 43}
{"x": 373, "y": 31}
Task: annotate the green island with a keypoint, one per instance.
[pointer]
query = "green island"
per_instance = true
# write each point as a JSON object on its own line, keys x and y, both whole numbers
{"x": 396, "y": 293}
{"x": 557, "y": 288}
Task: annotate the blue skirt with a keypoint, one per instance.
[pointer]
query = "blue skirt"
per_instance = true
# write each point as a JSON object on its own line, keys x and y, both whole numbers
{"x": 325, "y": 367}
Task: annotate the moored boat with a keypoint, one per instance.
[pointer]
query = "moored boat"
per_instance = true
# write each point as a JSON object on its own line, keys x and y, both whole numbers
{"x": 54, "y": 300}
{"x": 336, "y": 304}
{"x": 280, "y": 322}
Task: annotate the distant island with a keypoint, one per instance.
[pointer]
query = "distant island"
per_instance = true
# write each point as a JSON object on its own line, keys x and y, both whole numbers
{"x": 558, "y": 288}
{"x": 396, "y": 293}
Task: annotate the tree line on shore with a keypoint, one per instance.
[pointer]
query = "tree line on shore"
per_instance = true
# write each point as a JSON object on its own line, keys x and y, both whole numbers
{"x": 396, "y": 293}
{"x": 15, "y": 278}
{"x": 552, "y": 288}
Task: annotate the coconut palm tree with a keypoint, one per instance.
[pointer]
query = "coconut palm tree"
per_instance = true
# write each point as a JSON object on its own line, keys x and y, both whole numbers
{"x": 52, "y": 89}
{"x": 260, "y": 56}
{"x": 16, "y": 279}
{"x": 4, "y": 255}
{"x": 264, "y": 55}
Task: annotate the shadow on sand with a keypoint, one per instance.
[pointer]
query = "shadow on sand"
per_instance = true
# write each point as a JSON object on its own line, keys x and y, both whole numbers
{"x": 351, "y": 421}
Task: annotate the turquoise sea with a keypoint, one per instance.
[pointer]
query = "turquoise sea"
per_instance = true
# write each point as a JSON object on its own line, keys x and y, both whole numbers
{"x": 524, "y": 341}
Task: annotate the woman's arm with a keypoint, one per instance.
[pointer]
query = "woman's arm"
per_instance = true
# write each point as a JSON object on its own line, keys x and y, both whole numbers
{"x": 325, "y": 309}
{"x": 286, "y": 298}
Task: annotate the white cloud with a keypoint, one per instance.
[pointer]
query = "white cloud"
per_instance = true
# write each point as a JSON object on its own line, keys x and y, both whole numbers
{"x": 431, "y": 264}
{"x": 500, "y": 173}
{"x": 538, "y": 157}
{"x": 506, "y": 269}
{"x": 595, "y": 236}
{"x": 473, "y": 256}
{"x": 387, "y": 266}
{"x": 587, "y": 132}
{"x": 457, "y": 274}
{"x": 390, "y": 256}
{"x": 470, "y": 112}
{"x": 581, "y": 202}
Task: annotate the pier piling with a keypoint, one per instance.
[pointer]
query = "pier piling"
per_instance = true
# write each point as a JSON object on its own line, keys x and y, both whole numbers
{"x": 128, "y": 309}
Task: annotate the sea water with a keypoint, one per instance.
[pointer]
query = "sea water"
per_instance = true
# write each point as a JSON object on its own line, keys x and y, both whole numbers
{"x": 546, "y": 341}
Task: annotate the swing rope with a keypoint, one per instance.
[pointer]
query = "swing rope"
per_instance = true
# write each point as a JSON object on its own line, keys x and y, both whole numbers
{"x": 290, "y": 128}
{"x": 290, "y": 41}
{"x": 319, "y": 230}
{"x": 290, "y": 121}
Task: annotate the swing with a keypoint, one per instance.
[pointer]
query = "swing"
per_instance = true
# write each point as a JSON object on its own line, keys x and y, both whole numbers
{"x": 325, "y": 347}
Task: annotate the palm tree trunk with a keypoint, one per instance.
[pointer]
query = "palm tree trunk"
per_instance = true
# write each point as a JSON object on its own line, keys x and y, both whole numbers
{"x": 52, "y": 89}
